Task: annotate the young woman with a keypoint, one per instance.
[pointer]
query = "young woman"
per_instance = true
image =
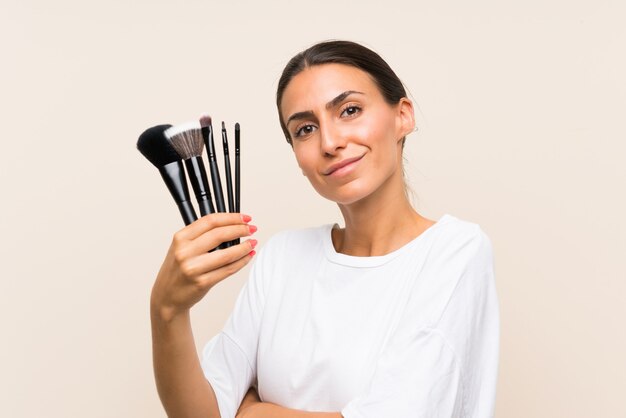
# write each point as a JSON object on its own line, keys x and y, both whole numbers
{"x": 394, "y": 315}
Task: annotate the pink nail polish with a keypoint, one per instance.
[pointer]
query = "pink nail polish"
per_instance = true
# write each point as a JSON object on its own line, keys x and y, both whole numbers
{"x": 252, "y": 229}
{"x": 246, "y": 218}
{"x": 253, "y": 242}
{"x": 252, "y": 253}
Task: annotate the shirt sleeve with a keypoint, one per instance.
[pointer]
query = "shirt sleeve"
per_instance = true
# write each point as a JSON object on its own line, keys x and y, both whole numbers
{"x": 444, "y": 365}
{"x": 229, "y": 358}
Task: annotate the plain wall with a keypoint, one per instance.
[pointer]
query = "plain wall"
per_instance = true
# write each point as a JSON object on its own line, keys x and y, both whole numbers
{"x": 521, "y": 110}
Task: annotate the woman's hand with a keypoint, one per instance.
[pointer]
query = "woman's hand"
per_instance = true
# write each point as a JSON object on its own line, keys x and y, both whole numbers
{"x": 251, "y": 398}
{"x": 252, "y": 407}
{"x": 189, "y": 270}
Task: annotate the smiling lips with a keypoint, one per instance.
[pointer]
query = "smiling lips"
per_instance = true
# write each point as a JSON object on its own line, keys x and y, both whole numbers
{"x": 341, "y": 164}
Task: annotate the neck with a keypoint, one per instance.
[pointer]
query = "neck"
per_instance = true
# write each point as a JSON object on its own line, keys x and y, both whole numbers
{"x": 380, "y": 223}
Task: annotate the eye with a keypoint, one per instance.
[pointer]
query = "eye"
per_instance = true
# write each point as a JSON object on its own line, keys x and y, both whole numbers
{"x": 304, "y": 130}
{"x": 350, "y": 111}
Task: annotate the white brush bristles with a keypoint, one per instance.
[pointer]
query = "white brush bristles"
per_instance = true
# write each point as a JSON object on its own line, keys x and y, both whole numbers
{"x": 186, "y": 139}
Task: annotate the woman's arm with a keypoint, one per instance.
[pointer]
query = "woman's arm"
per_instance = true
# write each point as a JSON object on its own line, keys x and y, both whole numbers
{"x": 182, "y": 387}
{"x": 252, "y": 407}
{"x": 188, "y": 272}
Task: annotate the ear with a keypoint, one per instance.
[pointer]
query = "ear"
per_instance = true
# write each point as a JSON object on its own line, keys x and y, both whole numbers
{"x": 405, "y": 118}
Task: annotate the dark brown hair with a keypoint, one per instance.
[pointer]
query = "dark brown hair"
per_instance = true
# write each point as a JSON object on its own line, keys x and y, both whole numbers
{"x": 342, "y": 52}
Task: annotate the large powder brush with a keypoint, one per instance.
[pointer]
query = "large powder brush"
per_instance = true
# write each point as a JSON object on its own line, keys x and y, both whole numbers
{"x": 153, "y": 145}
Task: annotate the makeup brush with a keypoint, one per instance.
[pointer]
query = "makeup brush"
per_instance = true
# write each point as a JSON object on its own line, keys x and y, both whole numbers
{"x": 229, "y": 177}
{"x": 237, "y": 173}
{"x": 237, "y": 170}
{"x": 186, "y": 139}
{"x": 153, "y": 145}
{"x": 216, "y": 181}
{"x": 207, "y": 134}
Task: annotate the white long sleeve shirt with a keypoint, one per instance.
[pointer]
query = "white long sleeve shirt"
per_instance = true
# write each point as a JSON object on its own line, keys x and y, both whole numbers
{"x": 413, "y": 333}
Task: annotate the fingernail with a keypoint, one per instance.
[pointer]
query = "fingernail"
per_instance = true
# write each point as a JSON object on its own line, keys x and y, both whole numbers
{"x": 252, "y": 253}
{"x": 252, "y": 229}
{"x": 253, "y": 242}
{"x": 246, "y": 218}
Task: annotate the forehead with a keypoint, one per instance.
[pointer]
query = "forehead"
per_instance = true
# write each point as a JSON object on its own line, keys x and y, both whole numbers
{"x": 319, "y": 84}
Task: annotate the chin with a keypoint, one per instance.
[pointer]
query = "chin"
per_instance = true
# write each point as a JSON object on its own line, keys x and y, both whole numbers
{"x": 345, "y": 195}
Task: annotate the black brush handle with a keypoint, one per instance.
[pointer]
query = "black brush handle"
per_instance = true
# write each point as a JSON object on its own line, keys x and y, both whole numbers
{"x": 237, "y": 169}
{"x": 187, "y": 212}
{"x": 207, "y": 135}
{"x": 217, "y": 186}
{"x": 174, "y": 177}
{"x": 216, "y": 181}
{"x": 237, "y": 185}
{"x": 200, "y": 184}
{"x": 229, "y": 176}
{"x": 237, "y": 173}
{"x": 229, "y": 184}
{"x": 217, "y": 190}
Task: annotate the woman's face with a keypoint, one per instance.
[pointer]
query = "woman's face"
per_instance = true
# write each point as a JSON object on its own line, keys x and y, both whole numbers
{"x": 347, "y": 139}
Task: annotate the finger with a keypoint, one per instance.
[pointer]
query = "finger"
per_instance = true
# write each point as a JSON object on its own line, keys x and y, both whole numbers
{"x": 210, "y": 221}
{"x": 216, "y": 236}
{"x": 208, "y": 262}
{"x": 212, "y": 278}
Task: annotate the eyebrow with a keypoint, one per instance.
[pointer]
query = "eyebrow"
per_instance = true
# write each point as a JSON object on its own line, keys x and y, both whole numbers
{"x": 333, "y": 103}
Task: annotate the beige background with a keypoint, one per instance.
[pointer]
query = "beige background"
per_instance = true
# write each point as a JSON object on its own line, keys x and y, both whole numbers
{"x": 521, "y": 130}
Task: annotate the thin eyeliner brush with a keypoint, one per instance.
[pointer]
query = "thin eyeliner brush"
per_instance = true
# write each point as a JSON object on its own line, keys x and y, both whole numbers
{"x": 237, "y": 169}
{"x": 229, "y": 176}
{"x": 237, "y": 173}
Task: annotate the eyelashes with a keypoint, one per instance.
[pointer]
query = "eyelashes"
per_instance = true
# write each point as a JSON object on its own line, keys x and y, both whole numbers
{"x": 304, "y": 130}
{"x": 348, "y": 111}
{"x": 351, "y": 110}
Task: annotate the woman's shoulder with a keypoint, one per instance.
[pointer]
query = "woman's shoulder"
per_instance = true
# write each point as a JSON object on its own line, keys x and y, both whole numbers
{"x": 457, "y": 235}
{"x": 457, "y": 274}
{"x": 456, "y": 225}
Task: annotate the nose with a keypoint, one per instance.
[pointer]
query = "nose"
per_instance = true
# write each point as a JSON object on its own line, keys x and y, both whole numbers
{"x": 332, "y": 139}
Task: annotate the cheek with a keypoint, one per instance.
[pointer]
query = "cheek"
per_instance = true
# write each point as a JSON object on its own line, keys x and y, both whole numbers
{"x": 378, "y": 131}
{"x": 304, "y": 157}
